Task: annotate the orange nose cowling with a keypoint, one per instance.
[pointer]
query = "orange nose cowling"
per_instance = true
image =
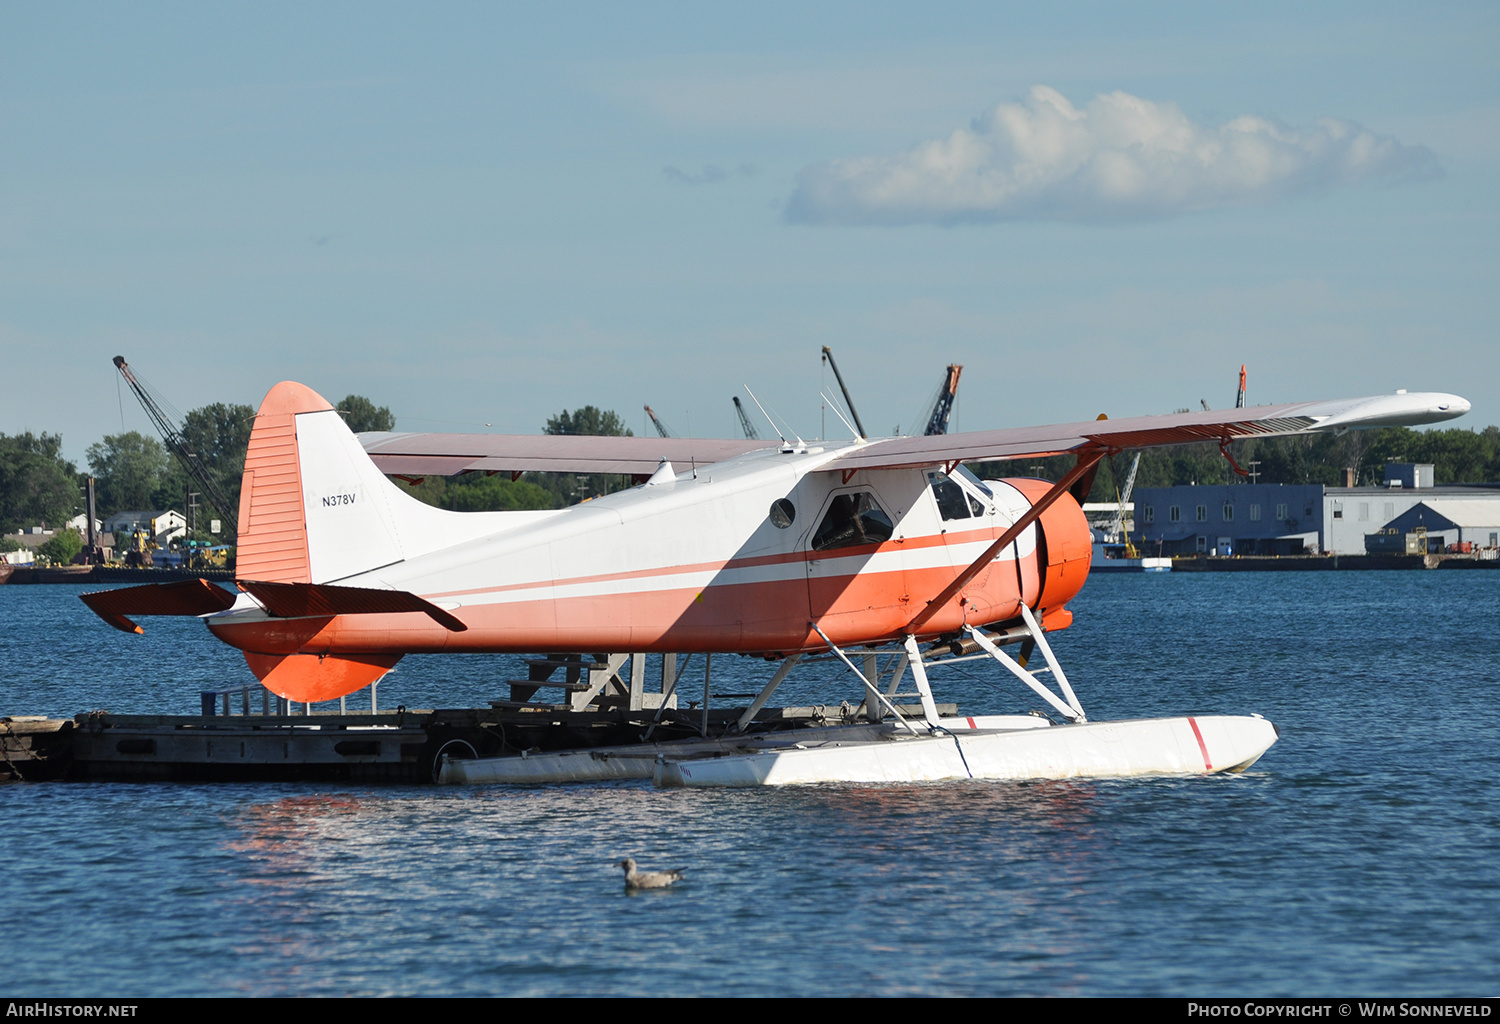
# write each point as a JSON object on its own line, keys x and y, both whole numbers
{"x": 1064, "y": 550}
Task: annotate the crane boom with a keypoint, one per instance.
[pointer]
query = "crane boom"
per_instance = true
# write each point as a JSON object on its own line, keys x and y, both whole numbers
{"x": 178, "y": 446}
{"x": 937, "y": 423}
{"x": 1116, "y": 526}
{"x": 745, "y": 424}
{"x": 828, "y": 355}
{"x": 660, "y": 429}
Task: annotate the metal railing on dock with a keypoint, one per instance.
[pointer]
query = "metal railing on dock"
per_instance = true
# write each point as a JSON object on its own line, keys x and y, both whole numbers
{"x": 212, "y": 700}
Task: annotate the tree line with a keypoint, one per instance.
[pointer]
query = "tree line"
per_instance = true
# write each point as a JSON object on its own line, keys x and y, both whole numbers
{"x": 133, "y": 471}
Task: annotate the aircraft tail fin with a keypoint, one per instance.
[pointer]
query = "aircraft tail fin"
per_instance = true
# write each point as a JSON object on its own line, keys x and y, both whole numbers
{"x": 314, "y": 508}
{"x": 272, "y": 542}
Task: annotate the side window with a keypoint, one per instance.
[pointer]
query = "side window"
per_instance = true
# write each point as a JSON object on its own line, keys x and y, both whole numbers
{"x": 852, "y": 519}
{"x": 952, "y": 501}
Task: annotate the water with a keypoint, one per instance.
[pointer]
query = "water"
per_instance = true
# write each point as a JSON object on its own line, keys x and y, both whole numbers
{"x": 1358, "y": 857}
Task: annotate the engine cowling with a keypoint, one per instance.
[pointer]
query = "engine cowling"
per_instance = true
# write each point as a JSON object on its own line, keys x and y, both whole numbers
{"x": 1065, "y": 550}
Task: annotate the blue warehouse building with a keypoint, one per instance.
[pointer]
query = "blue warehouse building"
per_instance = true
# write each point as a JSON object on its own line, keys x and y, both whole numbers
{"x": 1228, "y": 519}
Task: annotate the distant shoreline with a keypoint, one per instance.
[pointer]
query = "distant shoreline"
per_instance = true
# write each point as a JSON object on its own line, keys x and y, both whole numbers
{"x": 111, "y": 574}
{"x": 1318, "y": 563}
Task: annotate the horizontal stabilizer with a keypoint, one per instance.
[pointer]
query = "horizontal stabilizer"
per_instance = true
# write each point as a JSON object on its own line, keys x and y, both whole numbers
{"x": 187, "y": 597}
{"x": 301, "y": 600}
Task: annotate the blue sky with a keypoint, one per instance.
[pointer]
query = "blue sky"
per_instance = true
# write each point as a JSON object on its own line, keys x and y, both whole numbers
{"x": 482, "y": 214}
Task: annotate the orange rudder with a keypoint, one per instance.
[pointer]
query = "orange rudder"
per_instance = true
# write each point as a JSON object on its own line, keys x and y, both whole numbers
{"x": 273, "y": 534}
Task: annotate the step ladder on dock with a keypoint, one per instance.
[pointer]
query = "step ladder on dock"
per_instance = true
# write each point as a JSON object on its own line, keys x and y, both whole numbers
{"x": 595, "y": 680}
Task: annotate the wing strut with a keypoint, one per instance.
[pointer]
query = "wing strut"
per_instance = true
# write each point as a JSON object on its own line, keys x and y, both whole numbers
{"x": 868, "y": 685}
{"x": 1070, "y": 710}
{"x": 766, "y": 692}
{"x": 1088, "y": 459}
{"x": 1224, "y": 451}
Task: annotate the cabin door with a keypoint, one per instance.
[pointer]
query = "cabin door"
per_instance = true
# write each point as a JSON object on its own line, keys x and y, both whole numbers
{"x": 856, "y": 582}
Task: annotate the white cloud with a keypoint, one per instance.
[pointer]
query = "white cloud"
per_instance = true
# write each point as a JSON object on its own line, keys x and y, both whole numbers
{"x": 1121, "y": 158}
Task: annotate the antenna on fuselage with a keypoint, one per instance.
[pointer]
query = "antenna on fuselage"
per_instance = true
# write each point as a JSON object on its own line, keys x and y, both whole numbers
{"x": 839, "y": 415}
{"x": 800, "y": 443}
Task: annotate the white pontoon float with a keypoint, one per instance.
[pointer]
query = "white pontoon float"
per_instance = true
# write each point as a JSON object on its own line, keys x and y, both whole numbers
{"x": 892, "y": 747}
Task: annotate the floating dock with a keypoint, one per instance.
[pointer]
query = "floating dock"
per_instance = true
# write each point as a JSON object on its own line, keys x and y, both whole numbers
{"x": 401, "y": 745}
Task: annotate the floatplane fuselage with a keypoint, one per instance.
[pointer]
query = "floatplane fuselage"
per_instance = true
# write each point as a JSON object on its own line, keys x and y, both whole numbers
{"x": 743, "y": 555}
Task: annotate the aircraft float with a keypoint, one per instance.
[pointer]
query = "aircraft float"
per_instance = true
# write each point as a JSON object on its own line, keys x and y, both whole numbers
{"x": 780, "y": 549}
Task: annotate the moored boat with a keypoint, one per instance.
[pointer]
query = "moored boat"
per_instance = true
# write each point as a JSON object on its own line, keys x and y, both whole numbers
{"x": 1117, "y": 558}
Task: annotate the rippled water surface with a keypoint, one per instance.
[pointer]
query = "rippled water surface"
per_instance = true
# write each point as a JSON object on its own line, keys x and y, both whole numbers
{"x": 1358, "y": 857}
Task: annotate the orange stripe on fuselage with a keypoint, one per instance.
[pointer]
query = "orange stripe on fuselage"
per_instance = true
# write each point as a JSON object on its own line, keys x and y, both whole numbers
{"x": 764, "y": 616}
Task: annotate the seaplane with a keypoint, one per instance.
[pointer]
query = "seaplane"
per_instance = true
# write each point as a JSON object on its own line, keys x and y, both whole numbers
{"x": 779, "y": 549}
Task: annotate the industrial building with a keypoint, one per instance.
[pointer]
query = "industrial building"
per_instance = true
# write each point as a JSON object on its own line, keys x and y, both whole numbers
{"x": 162, "y": 525}
{"x": 1295, "y": 519}
{"x": 1440, "y": 524}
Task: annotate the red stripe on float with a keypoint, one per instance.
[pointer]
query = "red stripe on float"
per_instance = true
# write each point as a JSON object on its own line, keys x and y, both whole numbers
{"x": 1203, "y": 747}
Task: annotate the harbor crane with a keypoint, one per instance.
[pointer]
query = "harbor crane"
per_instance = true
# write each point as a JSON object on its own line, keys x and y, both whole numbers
{"x": 1114, "y": 530}
{"x": 660, "y": 427}
{"x": 745, "y": 424}
{"x": 828, "y": 358}
{"x": 171, "y": 435}
{"x": 942, "y": 409}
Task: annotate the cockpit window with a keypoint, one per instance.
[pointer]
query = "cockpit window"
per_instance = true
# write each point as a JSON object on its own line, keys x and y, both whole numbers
{"x": 853, "y": 519}
{"x": 952, "y": 500}
{"x": 979, "y": 485}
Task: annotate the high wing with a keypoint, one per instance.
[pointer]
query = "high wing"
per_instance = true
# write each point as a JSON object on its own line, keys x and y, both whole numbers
{"x": 1400, "y": 409}
{"x": 421, "y": 454}
{"x": 399, "y": 454}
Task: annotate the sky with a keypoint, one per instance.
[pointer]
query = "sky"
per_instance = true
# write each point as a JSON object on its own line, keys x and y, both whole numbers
{"x": 482, "y": 214}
